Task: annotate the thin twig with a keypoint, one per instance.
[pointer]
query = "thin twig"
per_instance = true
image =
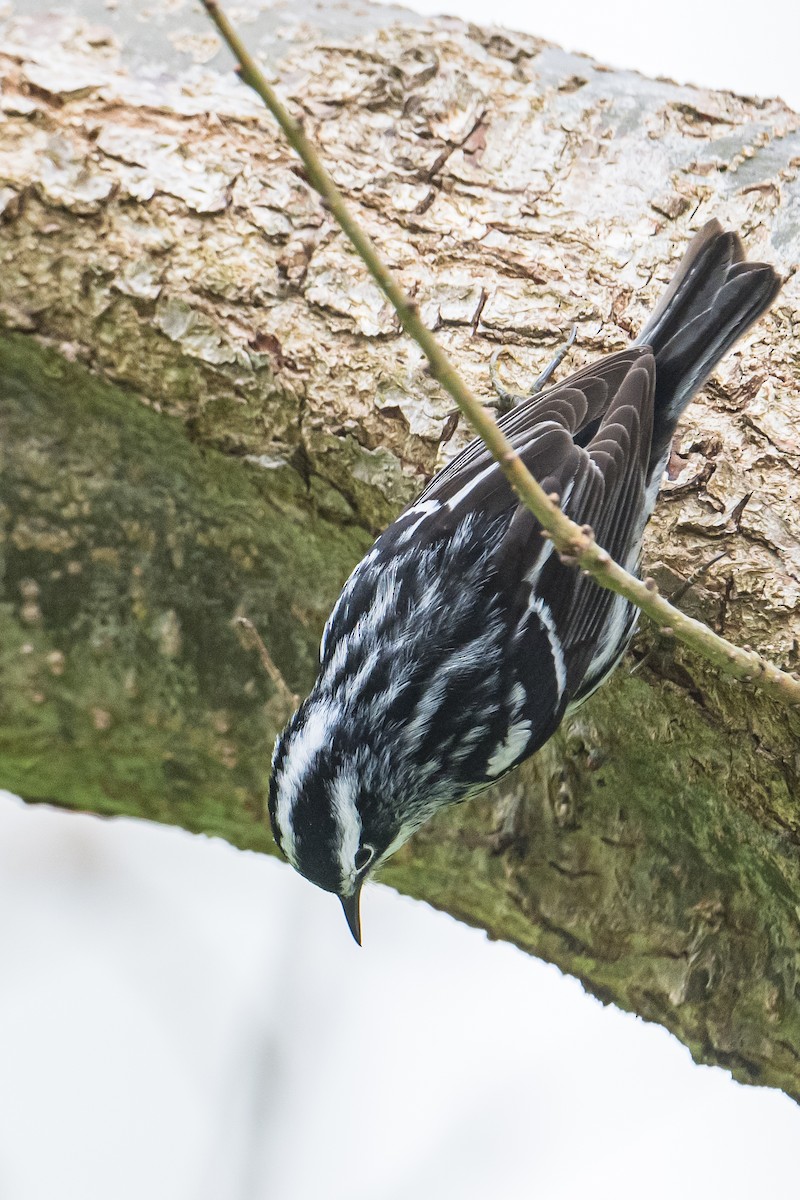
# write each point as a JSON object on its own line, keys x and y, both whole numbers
{"x": 574, "y": 542}
{"x": 252, "y": 637}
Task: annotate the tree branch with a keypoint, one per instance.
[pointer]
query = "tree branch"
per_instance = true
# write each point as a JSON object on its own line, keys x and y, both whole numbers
{"x": 207, "y": 410}
{"x": 572, "y": 541}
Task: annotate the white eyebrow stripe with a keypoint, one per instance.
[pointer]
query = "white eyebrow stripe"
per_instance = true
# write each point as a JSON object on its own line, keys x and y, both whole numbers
{"x": 305, "y": 746}
{"x": 343, "y": 792}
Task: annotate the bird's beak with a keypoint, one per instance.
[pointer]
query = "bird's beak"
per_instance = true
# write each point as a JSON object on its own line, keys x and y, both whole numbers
{"x": 352, "y": 911}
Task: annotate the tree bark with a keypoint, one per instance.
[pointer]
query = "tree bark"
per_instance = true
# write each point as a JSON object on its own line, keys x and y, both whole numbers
{"x": 207, "y": 410}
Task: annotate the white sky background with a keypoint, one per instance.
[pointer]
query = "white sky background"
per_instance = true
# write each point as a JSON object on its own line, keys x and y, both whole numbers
{"x": 181, "y": 1021}
{"x": 747, "y": 46}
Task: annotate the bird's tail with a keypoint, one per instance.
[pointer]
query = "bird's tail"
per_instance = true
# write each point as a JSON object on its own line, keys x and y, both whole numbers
{"x": 713, "y": 298}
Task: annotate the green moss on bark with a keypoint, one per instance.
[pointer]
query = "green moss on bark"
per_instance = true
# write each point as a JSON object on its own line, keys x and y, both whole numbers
{"x": 126, "y": 553}
{"x": 651, "y": 849}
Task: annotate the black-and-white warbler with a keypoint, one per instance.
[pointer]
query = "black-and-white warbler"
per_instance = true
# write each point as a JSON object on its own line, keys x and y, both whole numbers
{"x": 460, "y": 641}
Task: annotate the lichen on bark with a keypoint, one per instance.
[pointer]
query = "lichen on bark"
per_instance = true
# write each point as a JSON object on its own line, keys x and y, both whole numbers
{"x": 206, "y": 410}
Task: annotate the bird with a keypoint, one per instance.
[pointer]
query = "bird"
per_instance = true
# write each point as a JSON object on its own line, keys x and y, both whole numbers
{"x": 462, "y": 639}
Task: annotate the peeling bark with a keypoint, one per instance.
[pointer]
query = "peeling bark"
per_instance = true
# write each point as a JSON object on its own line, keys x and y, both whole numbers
{"x": 206, "y": 409}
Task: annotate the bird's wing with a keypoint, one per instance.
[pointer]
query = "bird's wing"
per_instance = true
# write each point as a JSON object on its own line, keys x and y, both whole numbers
{"x": 588, "y": 440}
{"x": 576, "y": 407}
{"x": 608, "y": 494}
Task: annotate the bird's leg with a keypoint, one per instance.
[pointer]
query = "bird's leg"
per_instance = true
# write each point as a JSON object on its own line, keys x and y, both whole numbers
{"x": 695, "y": 577}
{"x": 555, "y": 362}
{"x": 508, "y": 400}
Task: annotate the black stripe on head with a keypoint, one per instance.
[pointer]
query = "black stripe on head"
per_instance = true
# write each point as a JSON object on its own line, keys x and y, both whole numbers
{"x": 316, "y": 837}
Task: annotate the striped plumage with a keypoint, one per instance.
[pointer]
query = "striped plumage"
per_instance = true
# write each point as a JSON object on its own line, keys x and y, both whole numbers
{"x": 460, "y": 641}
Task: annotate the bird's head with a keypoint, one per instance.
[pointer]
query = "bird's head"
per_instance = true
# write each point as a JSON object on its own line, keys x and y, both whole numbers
{"x": 334, "y": 805}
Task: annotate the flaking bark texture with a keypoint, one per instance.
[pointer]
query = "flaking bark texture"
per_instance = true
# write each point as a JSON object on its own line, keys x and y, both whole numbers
{"x": 206, "y": 409}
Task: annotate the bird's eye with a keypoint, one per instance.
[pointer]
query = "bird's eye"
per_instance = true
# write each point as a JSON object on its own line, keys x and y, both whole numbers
{"x": 364, "y": 856}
